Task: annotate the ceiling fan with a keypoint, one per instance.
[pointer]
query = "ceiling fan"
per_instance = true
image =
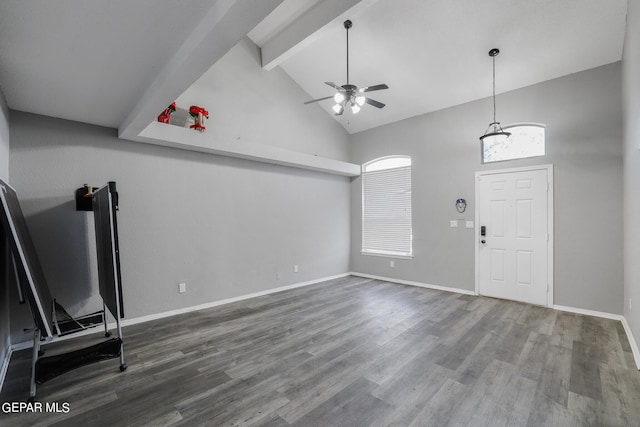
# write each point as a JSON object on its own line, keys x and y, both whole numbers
{"x": 348, "y": 94}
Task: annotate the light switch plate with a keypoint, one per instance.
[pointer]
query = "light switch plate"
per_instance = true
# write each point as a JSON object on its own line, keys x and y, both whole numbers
{"x": 453, "y": 223}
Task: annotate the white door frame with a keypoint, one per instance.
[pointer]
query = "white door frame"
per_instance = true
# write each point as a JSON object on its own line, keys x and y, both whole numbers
{"x": 549, "y": 169}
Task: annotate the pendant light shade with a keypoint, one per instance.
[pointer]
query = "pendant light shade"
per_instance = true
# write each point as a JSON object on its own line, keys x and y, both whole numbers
{"x": 494, "y": 133}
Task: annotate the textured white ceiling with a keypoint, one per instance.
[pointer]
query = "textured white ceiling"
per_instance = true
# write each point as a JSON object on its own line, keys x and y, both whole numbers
{"x": 93, "y": 61}
{"x": 85, "y": 60}
{"x": 433, "y": 54}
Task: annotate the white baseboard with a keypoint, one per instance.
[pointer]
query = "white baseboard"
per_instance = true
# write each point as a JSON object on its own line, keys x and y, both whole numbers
{"x": 418, "y": 284}
{"x": 586, "y": 312}
{"x": 226, "y": 301}
{"x": 25, "y": 344}
{"x": 5, "y": 363}
{"x": 632, "y": 342}
{"x": 156, "y": 316}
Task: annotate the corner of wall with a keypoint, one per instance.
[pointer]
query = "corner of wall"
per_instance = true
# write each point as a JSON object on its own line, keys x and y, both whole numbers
{"x": 632, "y": 342}
{"x": 631, "y": 176}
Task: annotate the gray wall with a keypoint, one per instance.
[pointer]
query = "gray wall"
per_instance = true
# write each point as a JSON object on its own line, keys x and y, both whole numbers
{"x": 247, "y": 103}
{"x": 4, "y": 286}
{"x": 224, "y": 226}
{"x": 583, "y": 114}
{"x": 631, "y": 88}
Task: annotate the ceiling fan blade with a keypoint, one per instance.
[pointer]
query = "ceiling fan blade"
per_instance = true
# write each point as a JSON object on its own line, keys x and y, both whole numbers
{"x": 375, "y": 87}
{"x": 335, "y": 86}
{"x": 374, "y": 102}
{"x": 319, "y": 99}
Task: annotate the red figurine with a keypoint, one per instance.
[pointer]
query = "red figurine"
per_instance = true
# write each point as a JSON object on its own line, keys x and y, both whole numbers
{"x": 165, "y": 116}
{"x": 199, "y": 114}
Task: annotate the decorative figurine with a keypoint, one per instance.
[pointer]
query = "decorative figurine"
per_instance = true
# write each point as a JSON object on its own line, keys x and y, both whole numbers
{"x": 461, "y": 205}
{"x": 165, "y": 116}
{"x": 198, "y": 114}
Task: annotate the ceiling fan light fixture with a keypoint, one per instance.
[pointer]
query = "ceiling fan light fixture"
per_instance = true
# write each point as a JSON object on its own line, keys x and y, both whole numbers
{"x": 349, "y": 94}
{"x": 494, "y": 132}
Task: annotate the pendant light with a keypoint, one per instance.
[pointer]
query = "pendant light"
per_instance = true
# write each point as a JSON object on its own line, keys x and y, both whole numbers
{"x": 494, "y": 133}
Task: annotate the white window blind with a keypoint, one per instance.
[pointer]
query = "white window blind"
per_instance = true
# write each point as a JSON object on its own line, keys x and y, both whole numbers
{"x": 386, "y": 212}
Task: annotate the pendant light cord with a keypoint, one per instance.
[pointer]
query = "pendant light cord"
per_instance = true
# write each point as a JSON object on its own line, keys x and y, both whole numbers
{"x": 497, "y": 133}
{"x": 494, "y": 89}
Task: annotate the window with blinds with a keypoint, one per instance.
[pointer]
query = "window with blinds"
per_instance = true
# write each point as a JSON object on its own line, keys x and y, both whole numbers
{"x": 386, "y": 207}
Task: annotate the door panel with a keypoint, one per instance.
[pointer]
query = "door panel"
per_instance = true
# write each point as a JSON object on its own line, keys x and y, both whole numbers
{"x": 497, "y": 265}
{"x": 512, "y": 261}
{"x": 498, "y": 208}
{"x": 524, "y": 264}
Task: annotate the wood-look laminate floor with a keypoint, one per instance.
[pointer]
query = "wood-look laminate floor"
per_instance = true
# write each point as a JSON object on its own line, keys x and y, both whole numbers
{"x": 351, "y": 352}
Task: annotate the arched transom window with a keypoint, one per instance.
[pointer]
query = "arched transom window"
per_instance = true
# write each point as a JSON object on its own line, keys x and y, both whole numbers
{"x": 526, "y": 140}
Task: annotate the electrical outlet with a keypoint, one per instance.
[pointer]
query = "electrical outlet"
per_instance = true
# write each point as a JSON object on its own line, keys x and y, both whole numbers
{"x": 182, "y": 288}
{"x": 392, "y": 264}
{"x": 453, "y": 223}
{"x": 277, "y": 276}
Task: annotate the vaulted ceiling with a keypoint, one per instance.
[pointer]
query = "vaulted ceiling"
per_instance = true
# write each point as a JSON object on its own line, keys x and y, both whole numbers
{"x": 117, "y": 63}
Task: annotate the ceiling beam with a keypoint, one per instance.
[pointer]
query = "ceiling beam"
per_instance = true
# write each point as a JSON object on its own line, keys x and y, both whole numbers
{"x": 226, "y": 23}
{"x": 307, "y": 28}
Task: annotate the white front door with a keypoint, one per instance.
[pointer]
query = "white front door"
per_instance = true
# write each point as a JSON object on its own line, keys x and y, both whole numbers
{"x": 514, "y": 214}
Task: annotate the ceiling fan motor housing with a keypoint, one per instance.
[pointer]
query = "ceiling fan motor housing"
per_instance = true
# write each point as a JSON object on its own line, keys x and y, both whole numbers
{"x": 349, "y": 88}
